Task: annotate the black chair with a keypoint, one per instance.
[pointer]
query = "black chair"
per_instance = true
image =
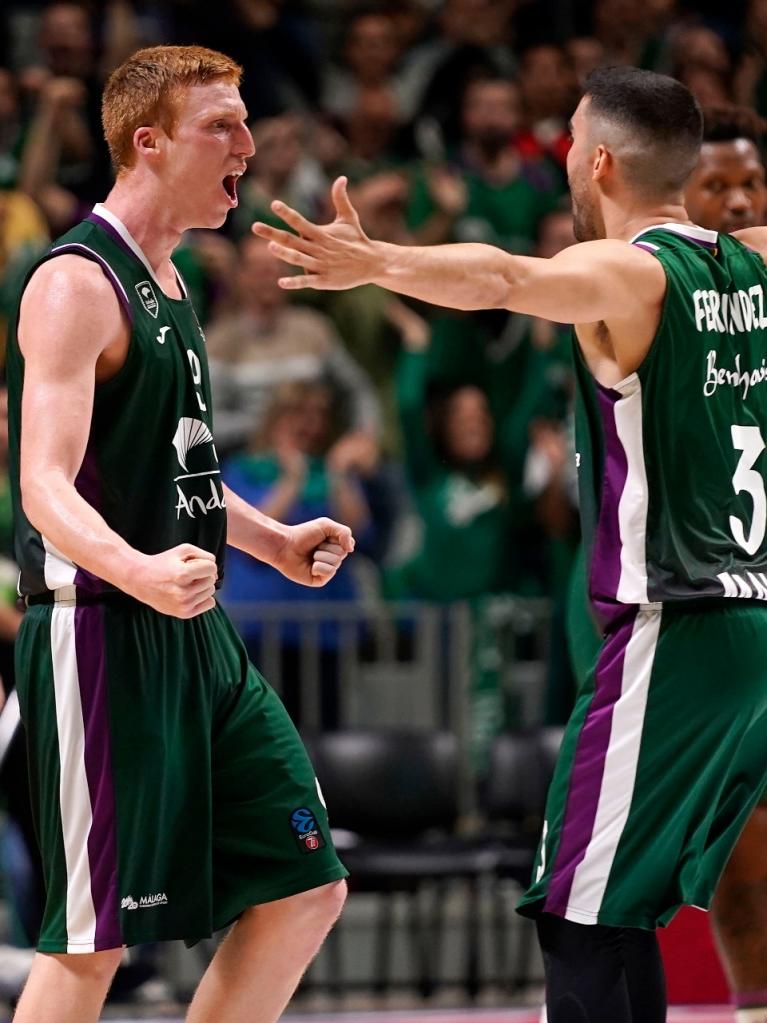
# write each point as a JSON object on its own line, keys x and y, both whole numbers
{"x": 513, "y": 799}
{"x": 393, "y": 802}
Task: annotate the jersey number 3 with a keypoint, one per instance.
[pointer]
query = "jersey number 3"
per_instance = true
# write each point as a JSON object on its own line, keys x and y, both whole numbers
{"x": 748, "y": 439}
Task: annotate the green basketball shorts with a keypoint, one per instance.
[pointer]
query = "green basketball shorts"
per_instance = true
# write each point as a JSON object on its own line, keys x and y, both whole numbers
{"x": 170, "y": 789}
{"x": 662, "y": 762}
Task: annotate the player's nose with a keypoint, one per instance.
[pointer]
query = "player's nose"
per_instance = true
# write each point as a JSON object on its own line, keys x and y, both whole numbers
{"x": 738, "y": 201}
{"x": 244, "y": 142}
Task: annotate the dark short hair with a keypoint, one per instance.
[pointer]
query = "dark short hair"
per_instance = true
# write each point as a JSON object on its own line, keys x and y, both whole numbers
{"x": 663, "y": 117}
{"x": 727, "y": 122}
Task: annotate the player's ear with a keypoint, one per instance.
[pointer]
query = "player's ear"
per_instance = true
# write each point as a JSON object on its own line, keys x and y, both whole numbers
{"x": 603, "y": 163}
{"x": 145, "y": 141}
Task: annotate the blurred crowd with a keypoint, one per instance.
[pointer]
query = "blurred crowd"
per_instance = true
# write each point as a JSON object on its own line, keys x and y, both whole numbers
{"x": 443, "y": 439}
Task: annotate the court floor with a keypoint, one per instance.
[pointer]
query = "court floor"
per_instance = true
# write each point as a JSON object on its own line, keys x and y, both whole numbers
{"x": 676, "y": 1015}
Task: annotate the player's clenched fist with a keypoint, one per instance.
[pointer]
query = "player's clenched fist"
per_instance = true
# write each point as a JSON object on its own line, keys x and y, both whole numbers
{"x": 313, "y": 551}
{"x": 179, "y": 582}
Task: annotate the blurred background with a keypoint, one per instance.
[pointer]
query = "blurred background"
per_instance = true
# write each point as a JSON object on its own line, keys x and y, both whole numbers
{"x": 431, "y": 677}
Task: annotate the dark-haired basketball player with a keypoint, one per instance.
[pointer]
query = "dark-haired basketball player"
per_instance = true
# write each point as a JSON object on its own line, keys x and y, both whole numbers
{"x": 665, "y": 755}
{"x": 726, "y": 192}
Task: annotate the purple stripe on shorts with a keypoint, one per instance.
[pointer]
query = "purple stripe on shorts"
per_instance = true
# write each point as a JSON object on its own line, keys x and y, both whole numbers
{"x": 605, "y": 571}
{"x": 588, "y": 766}
{"x": 647, "y": 246}
{"x": 102, "y": 839}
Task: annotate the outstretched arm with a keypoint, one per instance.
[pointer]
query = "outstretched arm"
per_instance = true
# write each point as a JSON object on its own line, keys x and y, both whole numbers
{"x": 606, "y": 280}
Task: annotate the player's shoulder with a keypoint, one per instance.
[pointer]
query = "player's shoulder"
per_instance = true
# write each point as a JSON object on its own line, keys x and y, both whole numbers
{"x": 753, "y": 238}
{"x": 70, "y": 279}
{"x": 621, "y": 267}
{"x": 612, "y": 251}
{"x": 73, "y": 293}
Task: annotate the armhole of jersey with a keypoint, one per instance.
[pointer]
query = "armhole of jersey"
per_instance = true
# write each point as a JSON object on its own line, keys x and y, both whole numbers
{"x": 78, "y": 249}
{"x": 657, "y": 251}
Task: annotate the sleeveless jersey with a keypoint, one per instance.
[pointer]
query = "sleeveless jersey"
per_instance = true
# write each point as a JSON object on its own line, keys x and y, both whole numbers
{"x": 672, "y": 461}
{"x": 150, "y": 468}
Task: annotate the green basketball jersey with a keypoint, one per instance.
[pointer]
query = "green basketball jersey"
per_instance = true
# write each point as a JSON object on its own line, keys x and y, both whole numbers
{"x": 150, "y": 467}
{"x": 672, "y": 460}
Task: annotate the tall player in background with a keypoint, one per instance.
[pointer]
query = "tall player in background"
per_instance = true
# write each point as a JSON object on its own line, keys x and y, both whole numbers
{"x": 726, "y": 192}
{"x": 665, "y": 755}
{"x": 172, "y": 794}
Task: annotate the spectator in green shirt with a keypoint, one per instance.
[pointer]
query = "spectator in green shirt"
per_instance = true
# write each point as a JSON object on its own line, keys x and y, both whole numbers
{"x": 457, "y": 485}
{"x": 500, "y": 196}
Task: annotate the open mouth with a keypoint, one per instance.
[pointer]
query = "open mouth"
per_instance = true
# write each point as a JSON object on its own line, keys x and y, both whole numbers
{"x": 230, "y": 187}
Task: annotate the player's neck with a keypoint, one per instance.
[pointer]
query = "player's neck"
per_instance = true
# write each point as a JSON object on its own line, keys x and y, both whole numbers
{"x": 148, "y": 219}
{"x": 625, "y": 222}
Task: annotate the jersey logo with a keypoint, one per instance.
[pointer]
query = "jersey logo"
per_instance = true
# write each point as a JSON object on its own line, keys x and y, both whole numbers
{"x": 160, "y": 339}
{"x": 306, "y": 830}
{"x": 190, "y": 433}
{"x": 145, "y": 902}
{"x": 145, "y": 292}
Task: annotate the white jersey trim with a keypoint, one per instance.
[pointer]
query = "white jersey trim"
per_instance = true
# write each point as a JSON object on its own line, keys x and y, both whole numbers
{"x": 101, "y": 211}
{"x": 634, "y": 500}
{"x": 692, "y": 231}
{"x": 58, "y": 570}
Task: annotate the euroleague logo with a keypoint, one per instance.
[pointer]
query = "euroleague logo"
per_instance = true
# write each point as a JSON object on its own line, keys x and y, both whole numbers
{"x": 306, "y": 832}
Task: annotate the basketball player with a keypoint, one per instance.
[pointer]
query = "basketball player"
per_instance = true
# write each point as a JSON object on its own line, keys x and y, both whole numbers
{"x": 172, "y": 794}
{"x": 726, "y": 192}
{"x": 665, "y": 756}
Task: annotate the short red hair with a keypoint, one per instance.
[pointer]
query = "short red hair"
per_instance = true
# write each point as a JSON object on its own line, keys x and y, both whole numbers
{"x": 144, "y": 91}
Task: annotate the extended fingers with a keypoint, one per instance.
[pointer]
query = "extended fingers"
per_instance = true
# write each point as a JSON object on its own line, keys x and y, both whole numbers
{"x": 342, "y": 202}
{"x": 294, "y": 256}
{"x": 276, "y": 234}
{"x": 298, "y": 281}
{"x": 294, "y": 219}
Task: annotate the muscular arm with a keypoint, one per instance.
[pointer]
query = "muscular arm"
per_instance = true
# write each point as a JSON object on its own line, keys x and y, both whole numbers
{"x": 608, "y": 280}
{"x": 70, "y": 330}
{"x": 309, "y": 553}
{"x": 250, "y": 530}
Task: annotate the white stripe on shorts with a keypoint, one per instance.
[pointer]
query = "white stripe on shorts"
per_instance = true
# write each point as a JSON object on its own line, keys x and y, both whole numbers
{"x": 74, "y": 795}
{"x": 617, "y": 791}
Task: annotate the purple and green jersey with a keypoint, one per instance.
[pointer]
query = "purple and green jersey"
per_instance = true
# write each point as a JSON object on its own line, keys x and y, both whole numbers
{"x": 170, "y": 789}
{"x": 665, "y": 754}
{"x": 150, "y": 468}
{"x": 672, "y": 460}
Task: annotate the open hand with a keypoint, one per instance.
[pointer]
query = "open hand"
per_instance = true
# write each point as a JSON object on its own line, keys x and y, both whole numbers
{"x": 334, "y": 256}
